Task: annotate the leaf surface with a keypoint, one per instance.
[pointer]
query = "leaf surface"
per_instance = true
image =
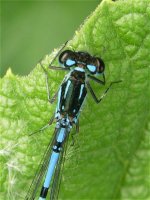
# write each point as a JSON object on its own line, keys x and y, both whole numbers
{"x": 110, "y": 158}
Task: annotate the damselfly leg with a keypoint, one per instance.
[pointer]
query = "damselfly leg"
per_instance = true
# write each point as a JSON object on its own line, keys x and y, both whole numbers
{"x": 77, "y": 126}
{"x": 96, "y": 99}
{"x": 101, "y": 82}
{"x": 44, "y": 127}
{"x": 72, "y": 134}
{"x": 51, "y": 100}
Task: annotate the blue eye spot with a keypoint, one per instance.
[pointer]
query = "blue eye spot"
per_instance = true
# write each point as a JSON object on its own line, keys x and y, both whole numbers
{"x": 91, "y": 68}
{"x": 70, "y": 62}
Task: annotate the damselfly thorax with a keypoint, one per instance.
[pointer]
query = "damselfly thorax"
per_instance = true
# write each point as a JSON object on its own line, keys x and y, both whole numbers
{"x": 71, "y": 95}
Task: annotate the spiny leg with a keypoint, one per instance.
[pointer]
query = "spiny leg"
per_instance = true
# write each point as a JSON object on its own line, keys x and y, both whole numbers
{"x": 77, "y": 126}
{"x": 44, "y": 127}
{"x": 51, "y": 100}
{"x": 102, "y": 82}
{"x": 104, "y": 93}
{"x": 58, "y": 53}
{"x": 72, "y": 135}
{"x": 58, "y": 68}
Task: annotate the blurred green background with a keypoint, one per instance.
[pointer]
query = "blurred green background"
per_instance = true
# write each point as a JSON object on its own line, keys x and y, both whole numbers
{"x": 31, "y": 29}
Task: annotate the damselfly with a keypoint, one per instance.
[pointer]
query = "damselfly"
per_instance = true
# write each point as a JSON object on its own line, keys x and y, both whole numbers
{"x": 81, "y": 67}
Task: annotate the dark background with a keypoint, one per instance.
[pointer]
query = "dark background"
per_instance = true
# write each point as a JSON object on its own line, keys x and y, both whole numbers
{"x": 32, "y": 29}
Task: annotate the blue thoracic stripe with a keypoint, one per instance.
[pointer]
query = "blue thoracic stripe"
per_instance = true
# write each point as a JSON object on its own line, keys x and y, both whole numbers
{"x": 67, "y": 87}
{"x": 59, "y": 94}
{"x": 81, "y": 90}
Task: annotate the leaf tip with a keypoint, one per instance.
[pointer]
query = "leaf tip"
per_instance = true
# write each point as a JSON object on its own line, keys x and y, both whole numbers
{"x": 9, "y": 73}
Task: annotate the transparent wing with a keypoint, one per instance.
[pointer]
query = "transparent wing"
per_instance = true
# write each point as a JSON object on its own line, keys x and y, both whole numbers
{"x": 37, "y": 181}
{"x": 58, "y": 171}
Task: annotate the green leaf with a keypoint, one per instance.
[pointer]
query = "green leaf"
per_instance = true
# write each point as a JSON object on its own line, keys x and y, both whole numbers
{"x": 110, "y": 158}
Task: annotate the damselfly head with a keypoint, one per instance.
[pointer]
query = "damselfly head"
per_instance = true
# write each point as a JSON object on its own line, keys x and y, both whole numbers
{"x": 94, "y": 65}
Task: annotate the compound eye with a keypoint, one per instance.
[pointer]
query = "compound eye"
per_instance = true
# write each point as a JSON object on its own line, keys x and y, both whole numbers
{"x": 100, "y": 65}
{"x": 70, "y": 62}
{"x": 65, "y": 58}
{"x": 92, "y": 68}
